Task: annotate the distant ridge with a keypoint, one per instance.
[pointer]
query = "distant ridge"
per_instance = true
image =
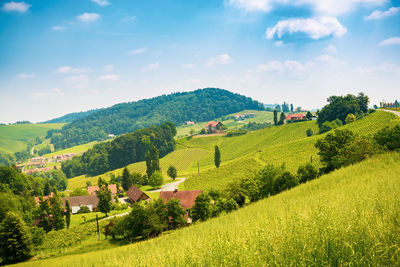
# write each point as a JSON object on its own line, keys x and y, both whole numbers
{"x": 199, "y": 105}
{"x": 70, "y": 117}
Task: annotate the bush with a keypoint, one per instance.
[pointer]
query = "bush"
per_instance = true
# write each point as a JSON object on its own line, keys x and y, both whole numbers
{"x": 83, "y": 209}
{"x": 350, "y": 118}
{"x": 307, "y": 172}
{"x": 156, "y": 179}
{"x": 172, "y": 172}
{"x": 309, "y": 132}
{"x": 15, "y": 239}
{"x": 79, "y": 192}
{"x": 201, "y": 210}
{"x": 389, "y": 138}
{"x": 330, "y": 125}
{"x": 236, "y": 132}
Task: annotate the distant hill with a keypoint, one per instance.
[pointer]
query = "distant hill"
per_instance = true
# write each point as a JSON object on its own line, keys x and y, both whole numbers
{"x": 199, "y": 105}
{"x": 72, "y": 116}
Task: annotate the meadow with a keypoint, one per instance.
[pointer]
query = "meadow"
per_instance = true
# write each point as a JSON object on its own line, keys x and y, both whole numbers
{"x": 348, "y": 217}
{"x": 15, "y": 138}
{"x": 76, "y": 149}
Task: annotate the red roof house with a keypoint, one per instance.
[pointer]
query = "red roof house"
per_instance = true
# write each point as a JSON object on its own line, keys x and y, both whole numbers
{"x": 92, "y": 189}
{"x": 187, "y": 198}
{"x": 295, "y": 117}
{"x": 214, "y": 127}
{"x": 135, "y": 194}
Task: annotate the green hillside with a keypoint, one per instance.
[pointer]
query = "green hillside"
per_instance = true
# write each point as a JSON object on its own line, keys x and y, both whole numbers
{"x": 14, "y": 138}
{"x": 348, "y": 217}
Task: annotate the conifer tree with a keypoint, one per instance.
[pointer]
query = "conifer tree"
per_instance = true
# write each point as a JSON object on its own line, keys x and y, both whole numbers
{"x": 217, "y": 157}
{"x": 282, "y": 119}
{"x": 126, "y": 181}
{"x": 275, "y": 117}
{"x": 67, "y": 213}
{"x": 57, "y": 212}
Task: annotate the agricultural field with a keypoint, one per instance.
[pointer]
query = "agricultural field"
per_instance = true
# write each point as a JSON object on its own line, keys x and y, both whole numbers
{"x": 261, "y": 116}
{"x": 348, "y": 217}
{"x": 74, "y": 149}
{"x": 15, "y": 138}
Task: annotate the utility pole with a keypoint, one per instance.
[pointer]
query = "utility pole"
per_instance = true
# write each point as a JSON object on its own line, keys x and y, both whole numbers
{"x": 198, "y": 168}
{"x": 98, "y": 230}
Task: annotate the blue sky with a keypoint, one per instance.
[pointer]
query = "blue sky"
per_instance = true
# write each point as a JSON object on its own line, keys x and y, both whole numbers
{"x": 58, "y": 57}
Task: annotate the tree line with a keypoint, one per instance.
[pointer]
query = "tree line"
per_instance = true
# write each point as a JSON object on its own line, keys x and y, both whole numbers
{"x": 123, "y": 150}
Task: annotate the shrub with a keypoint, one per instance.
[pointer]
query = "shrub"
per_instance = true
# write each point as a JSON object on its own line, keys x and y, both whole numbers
{"x": 389, "y": 138}
{"x": 307, "y": 172}
{"x": 172, "y": 172}
{"x": 156, "y": 179}
{"x": 201, "y": 210}
{"x": 232, "y": 133}
{"x": 79, "y": 192}
{"x": 15, "y": 239}
{"x": 175, "y": 213}
{"x": 83, "y": 209}
{"x": 309, "y": 132}
{"x": 350, "y": 118}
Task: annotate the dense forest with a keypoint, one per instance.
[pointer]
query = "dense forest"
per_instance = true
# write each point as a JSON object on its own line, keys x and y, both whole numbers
{"x": 199, "y": 105}
{"x": 70, "y": 117}
{"x": 124, "y": 150}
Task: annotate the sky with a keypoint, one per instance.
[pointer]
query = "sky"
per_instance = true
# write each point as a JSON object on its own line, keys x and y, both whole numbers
{"x": 58, "y": 57}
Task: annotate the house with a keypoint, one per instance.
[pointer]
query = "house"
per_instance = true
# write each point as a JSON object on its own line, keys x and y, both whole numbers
{"x": 187, "y": 198}
{"x": 189, "y": 122}
{"x": 135, "y": 194}
{"x": 214, "y": 127}
{"x": 111, "y": 135}
{"x": 79, "y": 201}
{"x": 295, "y": 117}
{"x": 92, "y": 189}
{"x": 38, "y": 159}
{"x": 30, "y": 171}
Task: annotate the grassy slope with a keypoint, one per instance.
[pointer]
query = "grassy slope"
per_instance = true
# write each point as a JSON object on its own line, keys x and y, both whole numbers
{"x": 277, "y": 145}
{"x": 350, "y": 216}
{"x": 14, "y": 138}
{"x": 75, "y": 149}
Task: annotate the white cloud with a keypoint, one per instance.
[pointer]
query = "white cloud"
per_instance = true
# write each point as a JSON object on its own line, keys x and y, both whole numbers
{"x": 187, "y": 66}
{"x": 26, "y": 76}
{"x": 278, "y": 66}
{"x": 71, "y": 70}
{"x": 101, "y": 2}
{"x": 152, "y": 66}
{"x": 278, "y": 43}
{"x": 223, "y": 59}
{"x": 321, "y": 7}
{"x": 88, "y": 17}
{"x": 108, "y": 78}
{"x": 78, "y": 81}
{"x": 138, "y": 51}
{"x": 16, "y": 6}
{"x": 45, "y": 95}
{"x": 315, "y": 28}
{"x": 109, "y": 67}
{"x": 58, "y": 28}
{"x": 330, "y": 49}
{"x": 128, "y": 19}
{"x": 383, "y": 68}
{"x": 330, "y": 60}
{"x": 377, "y": 14}
{"x": 390, "y": 41}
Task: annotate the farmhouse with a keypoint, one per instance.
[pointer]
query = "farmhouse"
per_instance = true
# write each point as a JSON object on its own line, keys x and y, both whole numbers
{"x": 187, "y": 198}
{"x": 214, "y": 127}
{"x": 295, "y": 117}
{"x": 189, "y": 122}
{"x": 80, "y": 201}
{"x": 135, "y": 194}
{"x": 92, "y": 189}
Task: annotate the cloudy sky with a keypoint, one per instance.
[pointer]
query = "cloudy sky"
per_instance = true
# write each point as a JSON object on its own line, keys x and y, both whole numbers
{"x": 58, "y": 57}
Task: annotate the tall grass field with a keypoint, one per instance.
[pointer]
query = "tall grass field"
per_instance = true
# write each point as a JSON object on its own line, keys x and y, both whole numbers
{"x": 348, "y": 217}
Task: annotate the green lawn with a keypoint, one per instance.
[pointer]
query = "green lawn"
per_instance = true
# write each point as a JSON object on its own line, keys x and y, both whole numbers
{"x": 349, "y": 217}
{"x": 14, "y": 138}
{"x": 81, "y": 219}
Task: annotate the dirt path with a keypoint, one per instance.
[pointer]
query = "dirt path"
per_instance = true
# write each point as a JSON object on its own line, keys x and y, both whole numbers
{"x": 170, "y": 186}
{"x": 392, "y": 111}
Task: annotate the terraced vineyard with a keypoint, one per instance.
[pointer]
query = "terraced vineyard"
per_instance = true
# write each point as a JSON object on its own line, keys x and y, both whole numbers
{"x": 348, "y": 217}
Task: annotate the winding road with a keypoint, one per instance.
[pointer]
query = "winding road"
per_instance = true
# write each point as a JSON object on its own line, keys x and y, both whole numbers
{"x": 170, "y": 186}
{"x": 392, "y": 111}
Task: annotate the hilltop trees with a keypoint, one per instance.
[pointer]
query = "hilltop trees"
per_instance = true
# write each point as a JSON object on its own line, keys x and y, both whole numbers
{"x": 156, "y": 179}
{"x": 217, "y": 157}
{"x": 15, "y": 239}
{"x": 123, "y": 150}
{"x": 152, "y": 162}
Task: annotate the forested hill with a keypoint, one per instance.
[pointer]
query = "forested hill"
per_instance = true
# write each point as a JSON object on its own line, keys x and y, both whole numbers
{"x": 70, "y": 117}
{"x": 199, "y": 105}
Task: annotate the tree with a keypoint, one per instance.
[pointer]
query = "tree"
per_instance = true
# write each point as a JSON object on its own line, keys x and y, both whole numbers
{"x": 126, "y": 181}
{"x": 149, "y": 170}
{"x": 155, "y": 160}
{"x": 156, "y": 179}
{"x": 363, "y": 101}
{"x": 282, "y": 119}
{"x": 309, "y": 132}
{"x": 291, "y": 108}
{"x": 201, "y": 210}
{"x": 275, "y": 117}
{"x": 67, "y": 213}
{"x": 284, "y": 181}
{"x": 172, "y": 172}
{"x": 176, "y": 213}
{"x": 47, "y": 188}
{"x": 350, "y": 118}
{"x": 43, "y": 214}
{"x": 15, "y": 239}
{"x": 57, "y": 212}
{"x": 307, "y": 172}
{"x": 105, "y": 199}
{"x": 217, "y": 157}
{"x": 389, "y": 138}
{"x": 309, "y": 115}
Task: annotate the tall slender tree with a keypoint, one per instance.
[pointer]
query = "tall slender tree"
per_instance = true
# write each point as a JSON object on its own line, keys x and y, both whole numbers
{"x": 217, "y": 157}
{"x": 126, "y": 181}
{"x": 67, "y": 213}
{"x": 148, "y": 164}
{"x": 282, "y": 119}
{"x": 57, "y": 212}
{"x": 105, "y": 198}
{"x": 275, "y": 117}
{"x": 291, "y": 108}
